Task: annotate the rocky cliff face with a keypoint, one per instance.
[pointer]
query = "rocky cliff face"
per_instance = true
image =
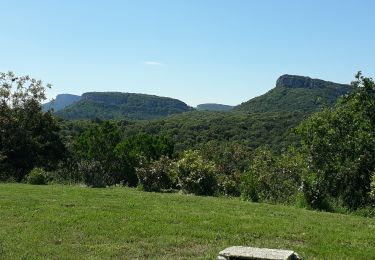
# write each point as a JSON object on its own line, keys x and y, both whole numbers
{"x": 61, "y": 101}
{"x": 294, "y": 81}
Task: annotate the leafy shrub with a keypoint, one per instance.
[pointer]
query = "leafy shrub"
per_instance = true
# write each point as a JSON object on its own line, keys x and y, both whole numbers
{"x": 249, "y": 187}
{"x": 154, "y": 176}
{"x": 273, "y": 178}
{"x": 67, "y": 172}
{"x": 231, "y": 160}
{"x": 93, "y": 174}
{"x": 37, "y": 176}
{"x": 196, "y": 175}
{"x": 314, "y": 193}
{"x": 229, "y": 185}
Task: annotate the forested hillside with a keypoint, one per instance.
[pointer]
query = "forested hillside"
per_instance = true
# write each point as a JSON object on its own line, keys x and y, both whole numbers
{"x": 296, "y": 93}
{"x": 116, "y": 105}
{"x": 214, "y": 107}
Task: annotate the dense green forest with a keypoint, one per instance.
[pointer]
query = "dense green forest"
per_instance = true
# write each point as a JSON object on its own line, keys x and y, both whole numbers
{"x": 196, "y": 129}
{"x": 286, "y": 154}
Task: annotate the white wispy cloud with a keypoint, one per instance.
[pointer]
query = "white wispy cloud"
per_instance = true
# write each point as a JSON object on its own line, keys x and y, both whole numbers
{"x": 154, "y": 63}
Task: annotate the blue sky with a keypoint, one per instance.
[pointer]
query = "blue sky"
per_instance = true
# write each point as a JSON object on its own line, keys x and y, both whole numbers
{"x": 223, "y": 51}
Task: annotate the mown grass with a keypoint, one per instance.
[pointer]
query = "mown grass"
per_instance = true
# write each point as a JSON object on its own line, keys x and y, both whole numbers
{"x": 71, "y": 222}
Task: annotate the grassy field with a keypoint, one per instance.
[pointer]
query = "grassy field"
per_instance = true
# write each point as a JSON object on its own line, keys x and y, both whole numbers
{"x": 60, "y": 222}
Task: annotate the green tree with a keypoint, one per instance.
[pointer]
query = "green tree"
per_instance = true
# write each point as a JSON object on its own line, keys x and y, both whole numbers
{"x": 29, "y": 137}
{"x": 340, "y": 143}
{"x": 96, "y": 146}
{"x": 142, "y": 148}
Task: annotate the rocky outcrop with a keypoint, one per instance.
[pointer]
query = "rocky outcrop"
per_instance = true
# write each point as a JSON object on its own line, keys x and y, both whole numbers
{"x": 61, "y": 101}
{"x": 294, "y": 81}
{"x": 242, "y": 252}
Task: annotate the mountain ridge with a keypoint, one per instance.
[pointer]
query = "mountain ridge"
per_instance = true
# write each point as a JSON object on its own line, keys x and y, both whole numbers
{"x": 118, "y": 105}
{"x": 297, "y": 81}
{"x": 296, "y": 93}
{"x": 291, "y": 93}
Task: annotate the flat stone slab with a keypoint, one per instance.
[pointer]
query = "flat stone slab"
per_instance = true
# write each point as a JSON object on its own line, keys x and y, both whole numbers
{"x": 243, "y": 252}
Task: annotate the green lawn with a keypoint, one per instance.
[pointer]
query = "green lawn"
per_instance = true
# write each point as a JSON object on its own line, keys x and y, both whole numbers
{"x": 58, "y": 222}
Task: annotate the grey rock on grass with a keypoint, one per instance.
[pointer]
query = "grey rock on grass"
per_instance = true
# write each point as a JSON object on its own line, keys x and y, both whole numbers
{"x": 242, "y": 252}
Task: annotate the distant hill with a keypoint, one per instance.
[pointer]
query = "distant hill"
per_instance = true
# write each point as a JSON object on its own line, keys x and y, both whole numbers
{"x": 61, "y": 101}
{"x": 116, "y": 105}
{"x": 214, "y": 107}
{"x": 296, "y": 93}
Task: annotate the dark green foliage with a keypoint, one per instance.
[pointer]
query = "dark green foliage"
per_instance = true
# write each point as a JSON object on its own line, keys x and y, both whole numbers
{"x": 155, "y": 175}
{"x": 70, "y": 130}
{"x": 249, "y": 187}
{"x": 98, "y": 142}
{"x": 314, "y": 193}
{"x": 97, "y": 145}
{"x": 103, "y": 144}
{"x": 28, "y": 137}
{"x": 143, "y": 147}
{"x": 37, "y": 176}
{"x": 214, "y": 107}
{"x": 296, "y": 93}
{"x": 67, "y": 171}
{"x": 115, "y": 105}
{"x": 93, "y": 174}
{"x": 196, "y": 175}
{"x": 150, "y": 147}
{"x": 340, "y": 143}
